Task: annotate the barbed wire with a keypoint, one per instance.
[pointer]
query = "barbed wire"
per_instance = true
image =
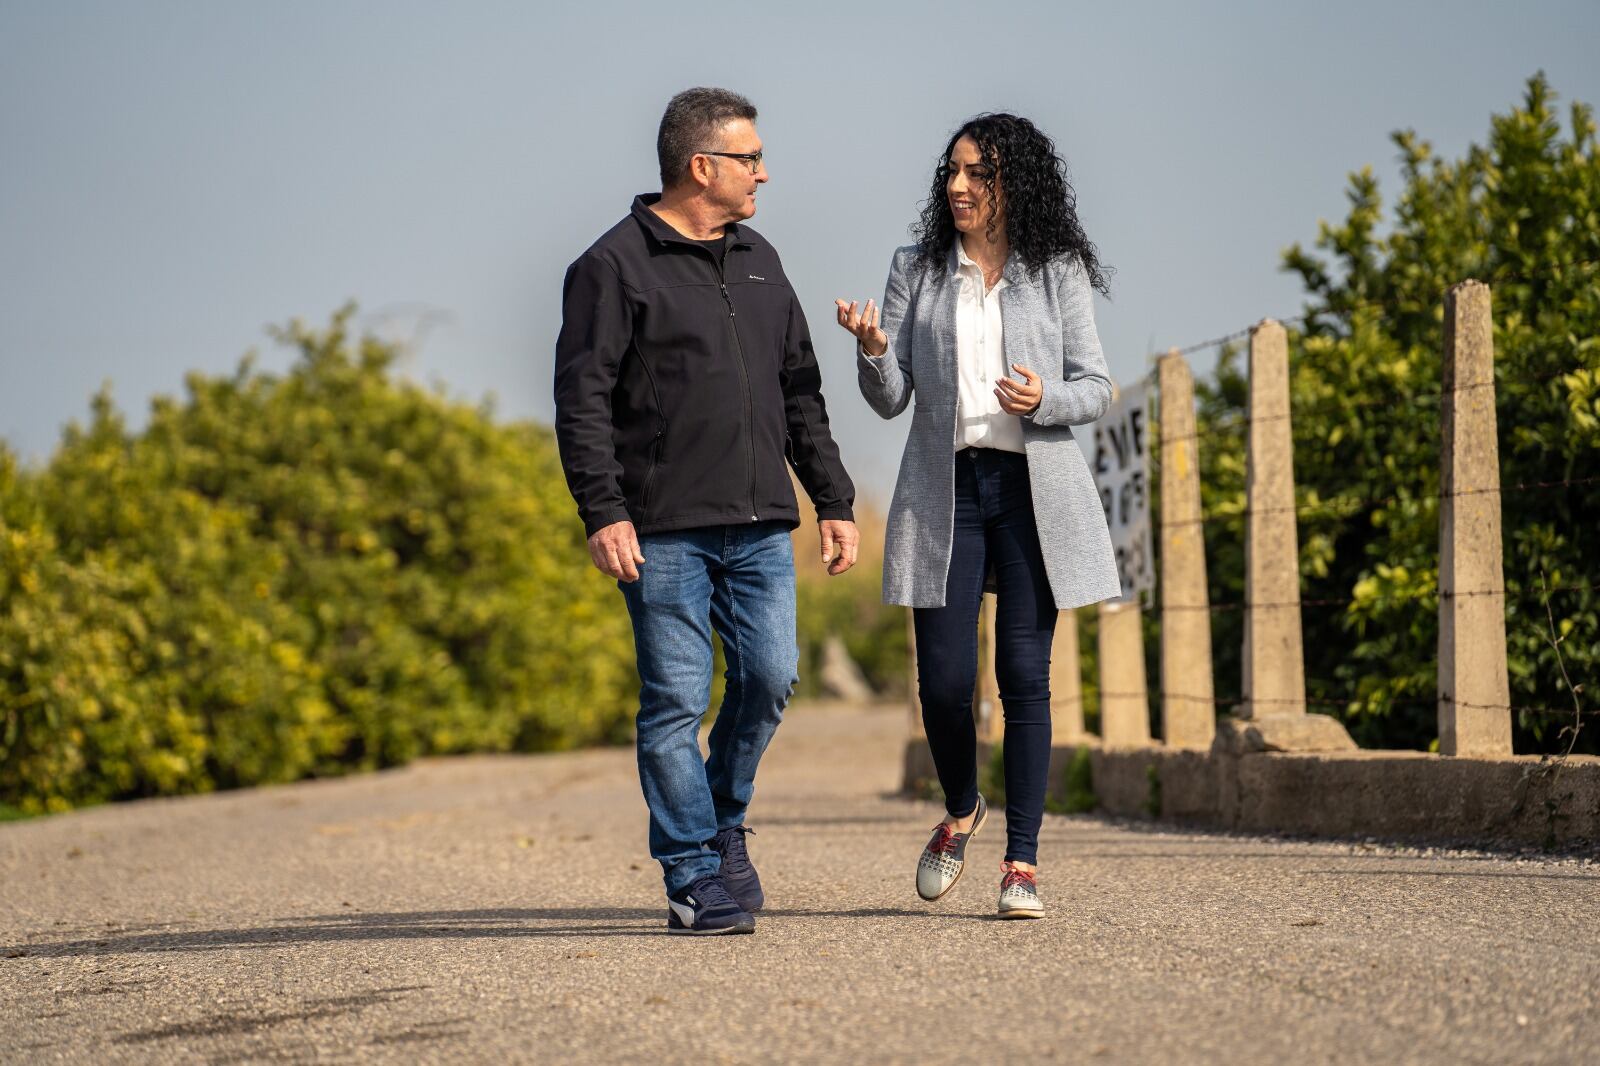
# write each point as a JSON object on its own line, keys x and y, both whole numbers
{"x": 1379, "y": 602}
{"x": 1354, "y": 305}
{"x": 1329, "y": 701}
{"x": 1244, "y": 420}
{"x": 1214, "y": 342}
{"x": 1360, "y": 504}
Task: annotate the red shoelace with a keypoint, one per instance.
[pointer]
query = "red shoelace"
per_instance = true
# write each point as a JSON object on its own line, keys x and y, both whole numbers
{"x": 944, "y": 840}
{"x": 1014, "y": 876}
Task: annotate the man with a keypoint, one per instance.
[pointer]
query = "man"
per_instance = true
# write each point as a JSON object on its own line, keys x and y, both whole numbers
{"x": 685, "y": 378}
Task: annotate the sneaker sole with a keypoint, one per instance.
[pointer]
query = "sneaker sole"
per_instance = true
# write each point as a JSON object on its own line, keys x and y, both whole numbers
{"x": 677, "y": 928}
{"x": 1019, "y": 913}
{"x": 732, "y": 930}
{"x": 982, "y": 820}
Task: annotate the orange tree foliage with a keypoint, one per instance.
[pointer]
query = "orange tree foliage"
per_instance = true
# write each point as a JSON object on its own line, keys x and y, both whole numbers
{"x": 1523, "y": 214}
{"x": 294, "y": 575}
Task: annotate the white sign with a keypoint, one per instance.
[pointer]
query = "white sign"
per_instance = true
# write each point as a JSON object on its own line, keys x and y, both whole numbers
{"x": 1121, "y": 467}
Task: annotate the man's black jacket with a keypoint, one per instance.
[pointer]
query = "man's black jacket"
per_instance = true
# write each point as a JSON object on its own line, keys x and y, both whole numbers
{"x": 683, "y": 385}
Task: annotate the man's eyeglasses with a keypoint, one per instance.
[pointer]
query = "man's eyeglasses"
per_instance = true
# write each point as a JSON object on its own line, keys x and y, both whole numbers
{"x": 750, "y": 159}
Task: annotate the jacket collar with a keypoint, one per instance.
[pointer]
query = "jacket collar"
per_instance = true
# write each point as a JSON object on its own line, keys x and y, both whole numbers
{"x": 657, "y": 227}
{"x": 1014, "y": 271}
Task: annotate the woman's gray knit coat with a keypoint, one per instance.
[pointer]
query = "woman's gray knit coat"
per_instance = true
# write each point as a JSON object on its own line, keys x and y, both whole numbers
{"x": 1047, "y": 324}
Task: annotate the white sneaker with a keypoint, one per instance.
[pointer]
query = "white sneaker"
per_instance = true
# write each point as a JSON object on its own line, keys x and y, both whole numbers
{"x": 945, "y": 855}
{"x": 1019, "y": 893}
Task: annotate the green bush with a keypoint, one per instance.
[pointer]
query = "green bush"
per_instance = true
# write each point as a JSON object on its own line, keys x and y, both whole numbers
{"x": 293, "y": 575}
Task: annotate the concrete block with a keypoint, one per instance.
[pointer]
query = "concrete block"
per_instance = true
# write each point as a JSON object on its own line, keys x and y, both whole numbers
{"x": 919, "y": 768}
{"x": 1189, "y": 786}
{"x": 1282, "y": 732}
{"x": 839, "y": 677}
{"x": 1122, "y": 780}
{"x": 1399, "y": 795}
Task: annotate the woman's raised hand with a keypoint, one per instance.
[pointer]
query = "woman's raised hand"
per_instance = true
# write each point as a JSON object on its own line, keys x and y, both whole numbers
{"x": 863, "y": 325}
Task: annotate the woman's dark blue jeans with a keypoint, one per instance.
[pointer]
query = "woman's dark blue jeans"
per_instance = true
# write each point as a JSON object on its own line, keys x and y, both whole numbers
{"x": 994, "y": 529}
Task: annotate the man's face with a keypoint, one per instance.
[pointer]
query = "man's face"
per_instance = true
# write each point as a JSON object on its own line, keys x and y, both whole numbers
{"x": 733, "y": 186}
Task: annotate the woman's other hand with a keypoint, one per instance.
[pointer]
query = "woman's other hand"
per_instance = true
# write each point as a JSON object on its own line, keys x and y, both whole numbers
{"x": 863, "y": 325}
{"x": 1020, "y": 399}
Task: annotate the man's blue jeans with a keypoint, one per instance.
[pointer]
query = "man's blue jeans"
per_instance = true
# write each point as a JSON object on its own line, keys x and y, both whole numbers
{"x": 740, "y": 580}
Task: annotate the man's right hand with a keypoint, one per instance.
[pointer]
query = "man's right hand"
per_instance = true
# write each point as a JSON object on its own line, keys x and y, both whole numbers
{"x": 615, "y": 551}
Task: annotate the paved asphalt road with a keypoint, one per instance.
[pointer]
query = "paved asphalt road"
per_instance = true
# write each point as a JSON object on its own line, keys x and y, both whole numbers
{"x": 504, "y": 909}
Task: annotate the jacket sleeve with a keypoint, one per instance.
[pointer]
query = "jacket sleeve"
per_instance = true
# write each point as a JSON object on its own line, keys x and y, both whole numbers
{"x": 886, "y": 382}
{"x": 811, "y": 448}
{"x": 596, "y": 327}
{"x": 1083, "y": 392}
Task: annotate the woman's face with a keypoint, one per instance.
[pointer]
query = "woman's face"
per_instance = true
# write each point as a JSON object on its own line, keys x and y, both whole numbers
{"x": 967, "y": 191}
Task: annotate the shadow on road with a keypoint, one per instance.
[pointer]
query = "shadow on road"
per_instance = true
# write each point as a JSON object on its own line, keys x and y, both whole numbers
{"x": 836, "y": 819}
{"x": 876, "y": 912}
{"x": 355, "y": 926}
{"x": 238, "y": 1023}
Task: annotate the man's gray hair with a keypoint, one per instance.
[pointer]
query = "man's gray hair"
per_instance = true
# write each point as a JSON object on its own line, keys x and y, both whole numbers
{"x": 692, "y": 121}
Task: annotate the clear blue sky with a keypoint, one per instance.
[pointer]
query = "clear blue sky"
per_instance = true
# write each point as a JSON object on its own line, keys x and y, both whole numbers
{"x": 176, "y": 176}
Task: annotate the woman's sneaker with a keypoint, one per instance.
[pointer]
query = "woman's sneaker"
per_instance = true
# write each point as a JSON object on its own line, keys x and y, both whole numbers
{"x": 738, "y": 872}
{"x": 706, "y": 909}
{"x": 1019, "y": 893}
{"x": 945, "y": 856}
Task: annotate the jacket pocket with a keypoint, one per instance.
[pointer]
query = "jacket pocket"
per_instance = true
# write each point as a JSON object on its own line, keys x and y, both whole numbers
{"x": 657, "y": 450}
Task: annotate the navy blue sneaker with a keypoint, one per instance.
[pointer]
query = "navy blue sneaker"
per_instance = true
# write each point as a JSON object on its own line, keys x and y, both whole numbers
{"x": 738, "y": 872}
{"x": 706, "y": 909}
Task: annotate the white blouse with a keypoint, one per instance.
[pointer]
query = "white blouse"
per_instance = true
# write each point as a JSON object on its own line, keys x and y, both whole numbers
{"x": 980, "y": 360}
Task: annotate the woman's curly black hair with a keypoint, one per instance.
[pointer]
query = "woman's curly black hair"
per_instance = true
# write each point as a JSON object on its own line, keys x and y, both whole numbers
{"x": 1041, "y": 210}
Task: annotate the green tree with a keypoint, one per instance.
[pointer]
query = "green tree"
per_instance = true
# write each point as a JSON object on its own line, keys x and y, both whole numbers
{"x": 1523, "y": 214}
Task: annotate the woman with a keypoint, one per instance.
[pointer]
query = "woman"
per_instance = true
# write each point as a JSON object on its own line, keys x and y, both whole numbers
{"x": 992, "y": 485}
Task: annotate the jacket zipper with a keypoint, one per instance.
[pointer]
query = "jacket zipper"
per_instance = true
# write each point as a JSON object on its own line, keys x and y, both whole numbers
{"x": 657, "y": 447}
{"x": 744, "y": 383}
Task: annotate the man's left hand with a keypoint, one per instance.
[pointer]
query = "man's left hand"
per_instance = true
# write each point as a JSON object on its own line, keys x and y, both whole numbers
{"x": 840, "y": 540}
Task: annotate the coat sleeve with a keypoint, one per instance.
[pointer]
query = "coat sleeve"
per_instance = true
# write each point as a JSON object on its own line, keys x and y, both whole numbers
{"x": 1083, "y": 391}
{"x": 886, "y": 382}
{"x": 811, "y": 448}
{"x": 596, "y": 328}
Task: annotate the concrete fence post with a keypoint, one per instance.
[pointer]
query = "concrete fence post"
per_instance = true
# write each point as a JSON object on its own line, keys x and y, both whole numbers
{"x": 1273, "y": 714}
{"x": 1124, "y": 706}
{"x": 1274, "y": 659}
{"x": 1474, "y": 690}
{"x": 986, "y": 700}
{"x": 1066, "y": 680}
{"x": 1188, "y": 710}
